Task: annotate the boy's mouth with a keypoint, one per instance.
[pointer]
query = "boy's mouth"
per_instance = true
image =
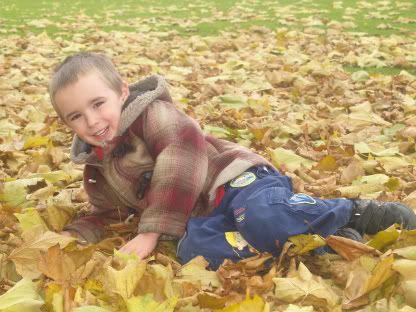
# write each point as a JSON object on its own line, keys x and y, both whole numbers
{"x": 100, "y": 135}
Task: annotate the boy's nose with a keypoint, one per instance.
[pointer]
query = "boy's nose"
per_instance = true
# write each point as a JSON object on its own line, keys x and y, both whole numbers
{"x": 91, "y": 119}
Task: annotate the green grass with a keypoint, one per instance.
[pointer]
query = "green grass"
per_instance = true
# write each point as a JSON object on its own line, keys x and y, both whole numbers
{"x": 205, "y": 17}
{"x": 15, "y": 15}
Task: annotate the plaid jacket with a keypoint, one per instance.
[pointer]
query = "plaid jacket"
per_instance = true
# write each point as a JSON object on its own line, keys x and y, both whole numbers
{"x": 160, "y": 165}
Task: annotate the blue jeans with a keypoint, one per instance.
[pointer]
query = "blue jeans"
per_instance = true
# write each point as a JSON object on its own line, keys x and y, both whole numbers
{"x": 261, "y": 206}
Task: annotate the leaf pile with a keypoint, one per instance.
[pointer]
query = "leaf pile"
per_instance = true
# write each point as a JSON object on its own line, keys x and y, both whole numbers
{"x": 283, "y": 93}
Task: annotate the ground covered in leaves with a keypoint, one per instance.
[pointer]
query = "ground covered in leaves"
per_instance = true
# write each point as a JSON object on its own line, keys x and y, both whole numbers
{"x": 283, "y": 92}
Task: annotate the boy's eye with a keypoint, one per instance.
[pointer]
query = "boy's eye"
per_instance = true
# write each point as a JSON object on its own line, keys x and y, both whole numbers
{"x": 98, "y": 104}
{"x": 74, "y": 117}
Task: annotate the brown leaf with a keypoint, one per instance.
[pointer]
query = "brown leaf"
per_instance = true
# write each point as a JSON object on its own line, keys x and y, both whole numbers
{"x": 56, "y": 265}
{"x": 348, "y": 248}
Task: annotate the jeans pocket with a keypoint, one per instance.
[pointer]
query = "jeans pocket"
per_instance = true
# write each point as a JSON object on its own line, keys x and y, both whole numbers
{"x": 298, "y": 203}
{"x": 278, "y": 195}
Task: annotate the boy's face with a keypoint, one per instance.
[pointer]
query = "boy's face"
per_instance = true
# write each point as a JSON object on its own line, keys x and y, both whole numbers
{"x": 91, "y": 108}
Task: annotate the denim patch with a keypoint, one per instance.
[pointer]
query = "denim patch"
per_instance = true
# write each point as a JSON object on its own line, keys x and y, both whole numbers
{"x": 244, "y": 179}
{"x": 301, "y": 198}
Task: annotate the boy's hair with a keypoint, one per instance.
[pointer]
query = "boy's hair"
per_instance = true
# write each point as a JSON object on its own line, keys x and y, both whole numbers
{"x": 73, "y": 67}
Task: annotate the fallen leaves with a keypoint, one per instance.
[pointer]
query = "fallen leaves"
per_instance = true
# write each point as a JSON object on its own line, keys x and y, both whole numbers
{"x": 23, "y": 296}
{"x": 303, "y": 286}
{"x": 283, "y": 93}
{"x": 27, "y": 255}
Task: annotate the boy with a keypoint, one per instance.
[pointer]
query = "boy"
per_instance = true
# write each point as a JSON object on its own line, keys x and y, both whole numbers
{"x": 143, "y": 156}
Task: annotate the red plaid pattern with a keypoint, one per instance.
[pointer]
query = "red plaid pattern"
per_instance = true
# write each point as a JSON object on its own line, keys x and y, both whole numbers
{"x": 188, "y": 166}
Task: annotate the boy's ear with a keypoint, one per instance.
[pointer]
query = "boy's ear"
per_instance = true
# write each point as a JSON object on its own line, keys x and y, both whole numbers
{"x": 125, "y": 92}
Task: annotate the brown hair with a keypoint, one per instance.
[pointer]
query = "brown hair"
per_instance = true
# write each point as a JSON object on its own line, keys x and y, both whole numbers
{"x": 73, "y": 67}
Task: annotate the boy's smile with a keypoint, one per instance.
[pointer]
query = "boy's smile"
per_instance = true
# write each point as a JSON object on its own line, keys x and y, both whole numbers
{"x": 91, "y": 108}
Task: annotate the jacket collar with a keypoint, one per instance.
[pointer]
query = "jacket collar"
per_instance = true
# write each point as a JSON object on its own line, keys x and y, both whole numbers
{"x": 142, "y": 94}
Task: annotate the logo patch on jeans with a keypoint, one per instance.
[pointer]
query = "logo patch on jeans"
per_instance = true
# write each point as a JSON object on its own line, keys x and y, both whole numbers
{"x": 244, "y": 179}
{"x": 301, "y": 198}
{"x": 236, "y": 240}
{"x": 239, "y": 214}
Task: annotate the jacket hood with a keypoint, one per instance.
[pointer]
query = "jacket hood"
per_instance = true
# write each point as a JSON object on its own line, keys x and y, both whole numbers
{"x": 142, "y": 94}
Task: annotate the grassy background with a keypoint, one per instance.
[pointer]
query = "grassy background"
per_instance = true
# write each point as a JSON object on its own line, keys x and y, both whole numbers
{"x": 197, "y": 17}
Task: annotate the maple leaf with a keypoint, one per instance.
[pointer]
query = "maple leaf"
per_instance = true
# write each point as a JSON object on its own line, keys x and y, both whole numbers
{"x": 364, "y": 279}
{"x": 146, "y": 303}
{"x": 27, "y": 255}
{"x": 305, "y": 100}
{"x": 195, "y": 271}
{"x": 89, "y": 308}
{"x": 305, "y": 287}
{"x": 255, "y": 304}
{"x": 125, "y": 280}
{"x": 55, "y": 265}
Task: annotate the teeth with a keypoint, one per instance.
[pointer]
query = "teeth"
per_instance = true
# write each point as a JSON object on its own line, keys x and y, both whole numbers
{"x": 101, "y": 132}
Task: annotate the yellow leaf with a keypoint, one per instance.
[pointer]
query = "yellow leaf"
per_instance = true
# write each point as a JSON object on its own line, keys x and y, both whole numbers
{"x": 157, "y": 280}
{"x": 58, "y": 301}
{"x": 50, "y": 291}
{"x": 15, "y": 192}
{"x": 364, "y": 148}
{"x": 281, "y": 156}
{"x": 304, "y": 243}
{"x": 124, "y": 281}
{"x": 58, "y": 217}
{"x": 353, "y": 171}
{"x": 328, "y": 163}
{"x": 384, "y": 238}
{"x": 195, "y": 271}
{"x": 29, "y": 219}
{"x": 304, "y": 286}
{"x": 361, "y": 281}
{"x": 21, "y": 297}
{"x": 53, "y": 176}
{"x": 56, "y": 265}
{"x": 255, "y": 304}
{"x": 233, "y": 101}
{"x": 41, "y": 195}
{"x": 393, "y": 184}
{"x": 364, "y": 185}
{"x": 209, "y": 300}
{"x": 360, "y": 75}
{"x": 7, "y": 128}
{"x": 260, "y": 106}
{"x": 35, "y": 141}
{"x": 409, "y": 291}
{"x": 256, "y": 84}
{"x": 218, "y": 132}
{"x": 296, "y": 308}
{"x": 148, "y": 304}
{"x": 406, "y": 267}
{"x": 90, "y": 308}
{"x": 406, "y": 252}
{"x": 26, "y": 256}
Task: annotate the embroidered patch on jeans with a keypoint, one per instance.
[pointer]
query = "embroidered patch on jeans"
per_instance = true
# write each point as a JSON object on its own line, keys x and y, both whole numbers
{"x": 236, "y": 240}
{"x": 301, "y": 198}
{"x": 244, "y": 179}
{"x": 239, "y": 214}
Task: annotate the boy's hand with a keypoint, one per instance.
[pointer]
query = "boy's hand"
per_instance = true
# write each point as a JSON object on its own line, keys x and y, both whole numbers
{"x": 142, "y": 245}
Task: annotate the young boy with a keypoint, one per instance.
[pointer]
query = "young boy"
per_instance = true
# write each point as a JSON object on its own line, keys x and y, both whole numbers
{"x": 145, "y": 157}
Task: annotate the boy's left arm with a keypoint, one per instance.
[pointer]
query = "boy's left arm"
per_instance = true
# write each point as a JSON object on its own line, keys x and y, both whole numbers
{"x": 178, "y": 146}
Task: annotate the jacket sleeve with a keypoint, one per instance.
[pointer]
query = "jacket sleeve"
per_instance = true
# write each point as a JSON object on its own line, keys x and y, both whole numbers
{"x": 178, "y": 146}
{"x": 105, "y": 209}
